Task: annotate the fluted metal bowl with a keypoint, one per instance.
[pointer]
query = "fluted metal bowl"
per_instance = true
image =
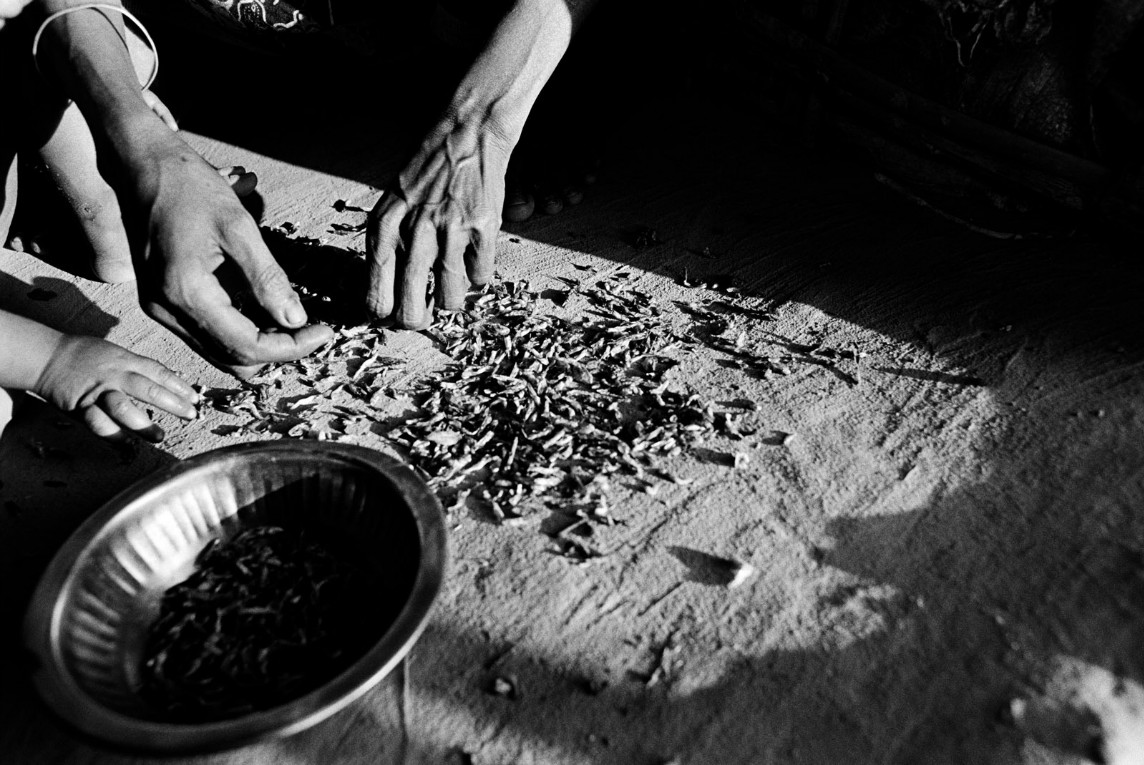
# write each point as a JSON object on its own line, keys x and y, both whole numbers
{"x": 88, "y": 621}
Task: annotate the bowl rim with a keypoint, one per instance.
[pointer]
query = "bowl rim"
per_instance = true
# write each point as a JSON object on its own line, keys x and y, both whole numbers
{"x": 65, "y": 697}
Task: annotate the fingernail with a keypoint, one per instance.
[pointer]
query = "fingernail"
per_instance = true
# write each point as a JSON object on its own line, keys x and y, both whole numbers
{"x": 295, "y": 314}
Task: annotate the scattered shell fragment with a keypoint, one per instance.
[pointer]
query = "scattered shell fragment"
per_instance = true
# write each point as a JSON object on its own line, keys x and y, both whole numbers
{"x": 741, "y": 573}
{"x": 503, "y": 686}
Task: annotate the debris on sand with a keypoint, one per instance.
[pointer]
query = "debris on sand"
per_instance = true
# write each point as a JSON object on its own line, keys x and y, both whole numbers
{"x": 534, "y": 405}
{"x": 644, "y": 237}
{"x": 739, "y": 573}
{"x": 663, "y": 660}
{"x": 341, "y": 205}
{"x": 715, "y": 570}
{"x": 347, "y": 228}
{"x": 503, "y": 686}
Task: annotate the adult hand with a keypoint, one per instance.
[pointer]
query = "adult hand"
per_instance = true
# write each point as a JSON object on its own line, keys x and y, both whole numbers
{"x": 441, "y": 216}
{"x": 183, "y": 220}
{"x": 185, "y": 223}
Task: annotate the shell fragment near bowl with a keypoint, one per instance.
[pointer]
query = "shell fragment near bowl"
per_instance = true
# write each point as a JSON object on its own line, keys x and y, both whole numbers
{"x": 87, "y": 623}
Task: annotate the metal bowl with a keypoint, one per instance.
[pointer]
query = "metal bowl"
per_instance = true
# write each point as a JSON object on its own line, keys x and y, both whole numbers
{"x": 88, "y": 621}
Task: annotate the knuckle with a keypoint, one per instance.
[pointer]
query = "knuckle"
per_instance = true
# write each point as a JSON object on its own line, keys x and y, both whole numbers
{"x": 240, "y": 356}
{"x": 119, "y": 406}
{"x": 234, "y": 222}
{"x": 386, "y": 214}
{"x": 150, "y": 308}
{"x": 176, "y": 287}
{"x": 268, "y": 278}
{"x": 379, "y": 304}
{"x": 99, "y": 424}
{"x": 378, "y": 247}
{"x": 152, "y": 391}
{"x": 181, "y": 295}
{"x": 175, "y": 291}
{"x": 377, "y": 214}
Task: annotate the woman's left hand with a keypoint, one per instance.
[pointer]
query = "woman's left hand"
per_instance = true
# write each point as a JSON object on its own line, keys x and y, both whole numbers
{"x": 441, "y": 216}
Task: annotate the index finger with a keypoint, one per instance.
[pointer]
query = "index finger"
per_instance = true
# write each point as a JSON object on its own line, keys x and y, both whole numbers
{"x": 165, "y": 317}
{"x": 382, "y": 236}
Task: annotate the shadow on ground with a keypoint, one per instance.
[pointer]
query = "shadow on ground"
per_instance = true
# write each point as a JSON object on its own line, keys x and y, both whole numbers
{"x": 968, "y": 589}
{"x": 968, "y": 586}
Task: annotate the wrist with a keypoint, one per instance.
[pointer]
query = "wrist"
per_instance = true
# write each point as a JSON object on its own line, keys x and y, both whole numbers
{"x": 84, "y": 54}
{"x": 136, "y": 150}
{"x": 26, "y": 350}
{"x": 47, "y": 377}
{"x": 473, "y": 119}
{"x": 499, "y": 89}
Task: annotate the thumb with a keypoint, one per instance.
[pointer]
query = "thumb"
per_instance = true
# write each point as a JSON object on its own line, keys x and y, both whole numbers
{"x": 268, "y": 282}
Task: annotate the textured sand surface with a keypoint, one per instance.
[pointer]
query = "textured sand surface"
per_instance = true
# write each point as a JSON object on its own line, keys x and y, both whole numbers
{"x": 948, "y": 548}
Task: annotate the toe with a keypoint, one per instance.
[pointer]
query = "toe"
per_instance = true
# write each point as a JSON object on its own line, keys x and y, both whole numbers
{"x": 589, "y": 170}
{"x": 519, "y": 205}
{"x": 550, "y": 202}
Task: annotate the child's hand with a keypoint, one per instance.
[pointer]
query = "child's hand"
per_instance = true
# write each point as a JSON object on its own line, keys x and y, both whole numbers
{"x": 99, "y": 380}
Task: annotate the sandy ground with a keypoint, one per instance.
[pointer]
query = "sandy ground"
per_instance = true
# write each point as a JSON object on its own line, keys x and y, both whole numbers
{"x": 947, "y": 549}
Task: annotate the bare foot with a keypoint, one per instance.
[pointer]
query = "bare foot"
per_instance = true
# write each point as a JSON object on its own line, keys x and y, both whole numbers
{"x": 544, "y": 188}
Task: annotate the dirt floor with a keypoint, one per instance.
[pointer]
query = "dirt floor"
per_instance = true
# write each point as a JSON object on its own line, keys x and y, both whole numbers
{"x": 938, "y": 492}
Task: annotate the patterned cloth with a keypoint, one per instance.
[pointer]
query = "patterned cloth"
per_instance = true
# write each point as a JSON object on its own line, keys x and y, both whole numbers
{"x": 269, "y": 15}
{"x": 361, "y": 26}
{"x": 279, "y": 24}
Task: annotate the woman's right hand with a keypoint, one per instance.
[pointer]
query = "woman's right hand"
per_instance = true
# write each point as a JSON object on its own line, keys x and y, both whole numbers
{"x": 185, "y": 221}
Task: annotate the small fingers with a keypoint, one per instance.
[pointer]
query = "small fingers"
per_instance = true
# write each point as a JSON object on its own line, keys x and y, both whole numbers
{"x": 167, "y": 378}
{"x": 101, "y": 424}
{"x": 151, "y": 391}
{"x": 451, "y": 280}
{"x": 125, "y": 414}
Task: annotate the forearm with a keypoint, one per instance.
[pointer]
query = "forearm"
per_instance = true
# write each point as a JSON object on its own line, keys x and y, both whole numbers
{"x": 499, "y": 89}
{"x": 26, "y": 347}
{"x": 84, "y": 55}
